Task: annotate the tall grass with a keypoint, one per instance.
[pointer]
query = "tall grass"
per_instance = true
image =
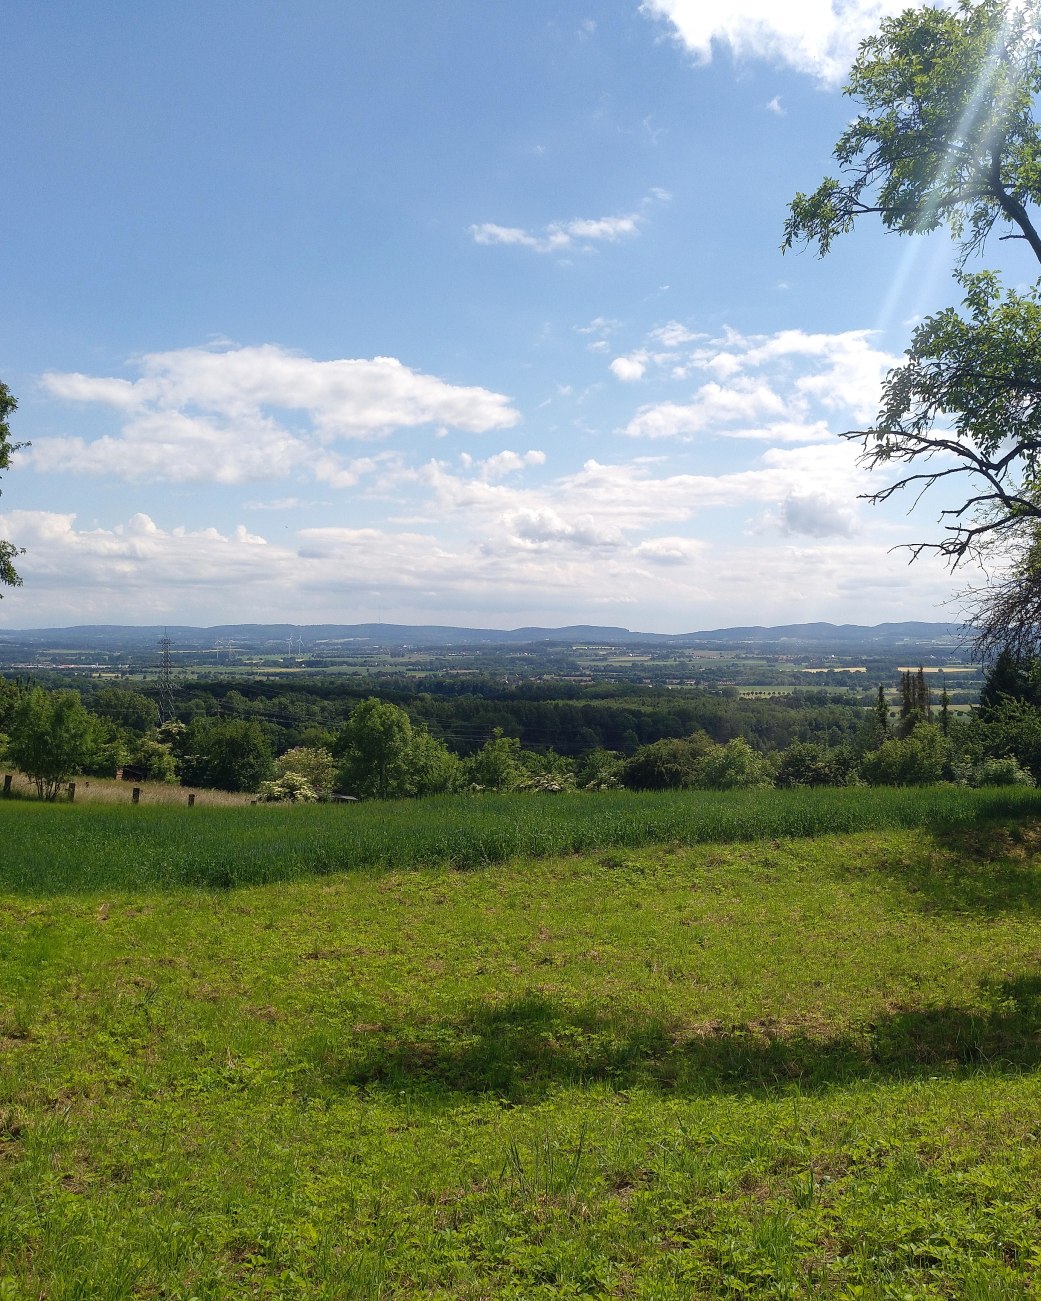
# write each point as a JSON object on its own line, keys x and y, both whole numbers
{"x": 55, "y": 849}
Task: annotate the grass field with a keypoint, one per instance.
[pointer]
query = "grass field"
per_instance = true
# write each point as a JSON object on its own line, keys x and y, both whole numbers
{"x": 740, "y": 1062}
{"x": 92, "y": 790}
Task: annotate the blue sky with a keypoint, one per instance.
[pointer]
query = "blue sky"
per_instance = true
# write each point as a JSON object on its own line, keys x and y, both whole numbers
{"x": 443, "y": 313}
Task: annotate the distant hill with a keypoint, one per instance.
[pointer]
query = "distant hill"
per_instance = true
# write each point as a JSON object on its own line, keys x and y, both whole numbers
{"x": 268, "y": 637}
{"x": 883, "y": 633}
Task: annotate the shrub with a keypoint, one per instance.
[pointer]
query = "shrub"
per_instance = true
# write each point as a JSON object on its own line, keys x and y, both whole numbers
{"x": 805, "y": 763}
{"x": 313, "y": 762}
{"x": 290, "y": 788}
{"x": 916, "y": 760}
{"x": 731, "y": 767}
{"x": 665, "y": 765}
{"x": 1001, "y": 772}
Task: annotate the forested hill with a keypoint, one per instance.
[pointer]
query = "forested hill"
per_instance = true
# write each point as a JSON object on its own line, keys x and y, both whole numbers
{"x": 116, "y": 637}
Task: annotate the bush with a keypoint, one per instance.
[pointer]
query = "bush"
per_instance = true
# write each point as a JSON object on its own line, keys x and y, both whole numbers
{"x": 315, "y": 763}
{"x": 1011, "y": 729}
{"x": 290, "y": 788}
{"x": 665, "y": 765}
{"x": 497, "y": 764}
{"x": 807, "y": 764}
{"x": 731, "y": 767}
{"x": 1001, "y": 772}
{"x": 916, "y": 760}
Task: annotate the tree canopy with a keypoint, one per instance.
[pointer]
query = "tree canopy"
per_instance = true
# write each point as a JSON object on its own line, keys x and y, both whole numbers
{"x": 946, "y": 136}
{"x": 52, "y": 738}
{"x": 8, "y": 574}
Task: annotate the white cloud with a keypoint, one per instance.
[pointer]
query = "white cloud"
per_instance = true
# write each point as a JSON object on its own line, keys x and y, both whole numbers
{"x": 713, "y": 405}
{"x": 600, "y": 326}
{"x": 580, "y": 234}
{"x": 242, "y": 414}
{"x": 775, "y": 106}
{"x": 281, "y": 503}
{"x": 502, "y": 463}
{"x": 631, "y": 368}
{"x": 768, "y": 387}
{"x": 672, "y": 334}
{"x": 816, "y": 37}
{"x": 536, "y": 527}
{"x": 672, "y": 551}
{"x": 552, "y": 560}
{"x": 816, "y": 515}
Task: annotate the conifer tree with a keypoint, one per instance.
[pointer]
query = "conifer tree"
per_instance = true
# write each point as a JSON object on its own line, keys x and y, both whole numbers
{"x": 922, "y": 701}
{"x": 881, "y": 716}
{"x": 906, "y": 696}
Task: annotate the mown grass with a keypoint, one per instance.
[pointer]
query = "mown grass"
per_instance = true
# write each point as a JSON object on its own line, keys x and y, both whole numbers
{"x": 773, "y": 1067}
{"x": 53, "y": 848}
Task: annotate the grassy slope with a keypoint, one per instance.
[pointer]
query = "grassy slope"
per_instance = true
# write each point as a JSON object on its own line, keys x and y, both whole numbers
{"x": 58, "y": 848}
{"x": 791, "y": 1067}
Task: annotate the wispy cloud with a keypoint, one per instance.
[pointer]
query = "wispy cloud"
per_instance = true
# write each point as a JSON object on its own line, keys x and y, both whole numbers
{"x": 579, "y": 234}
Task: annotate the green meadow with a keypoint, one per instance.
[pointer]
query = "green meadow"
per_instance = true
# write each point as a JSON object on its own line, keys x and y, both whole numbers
{"x": 757, "y": 1045}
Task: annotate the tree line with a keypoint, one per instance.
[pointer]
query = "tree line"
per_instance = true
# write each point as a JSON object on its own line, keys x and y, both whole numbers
{"x": 381, "y": 750}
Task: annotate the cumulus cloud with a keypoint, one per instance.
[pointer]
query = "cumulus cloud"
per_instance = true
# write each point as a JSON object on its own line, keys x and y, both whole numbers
{"x": 631, "y": 368}
{"x": 776, "y": 387}
{"x": 580, "y": 234}
{"x": 239, "y": 414}
{"x": 816, "y": 37}
{"x": 548, "y": 560}
{"x": 816, "y": 515}
{"x": 713, "y": 405}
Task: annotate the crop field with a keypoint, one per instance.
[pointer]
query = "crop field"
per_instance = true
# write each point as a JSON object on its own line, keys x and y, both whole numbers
{"x": 777, "y": 1045}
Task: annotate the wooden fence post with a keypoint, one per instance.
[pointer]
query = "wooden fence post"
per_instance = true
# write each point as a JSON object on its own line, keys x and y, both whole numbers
{"x": 7, "y": 783}
{"x": 72, "y": 792}
{"x": 136, "y": 795}
{"x": 191, "y": 800}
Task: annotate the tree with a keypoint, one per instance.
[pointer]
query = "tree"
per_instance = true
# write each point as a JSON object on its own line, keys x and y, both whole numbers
{"x": 383, "y": 756}
{"x": 1006, "y": 678}
{"x": 945, "y": 711}
{"x": 289, "y": 788}
{"x": 1012, "y": 729}
{"x": 372, "y": 747}
{"x": 946, "y": 137}
{"x": 880, "y": 719}
{"x": 8, "y": 405}
{"x": 228, "y": 756}
{"x": 432, "y": 769}
{"x": 129, "y": 709}
{"x": 152, "y": 759}
{"x": 52, "y": 738}
{"x": 497, "y": 764}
